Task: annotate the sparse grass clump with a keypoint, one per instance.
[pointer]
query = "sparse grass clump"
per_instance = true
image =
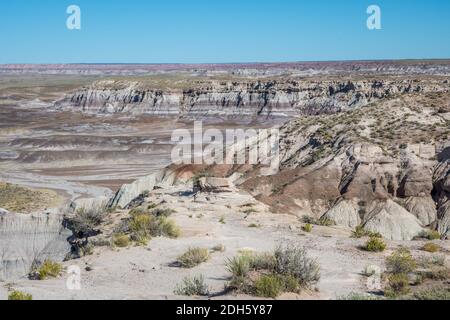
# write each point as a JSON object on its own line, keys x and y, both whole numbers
{"x": 18, "y": 295}
{"x": 398, "y": 285}
{"x": 49, "y": 269}
{"x": 431, "y": 247}
{"x": 194, "y": 286}
{"x": 288, "y": 269}
{"x": 121, "y": 240}
{"x": 401, "y": 261}
{"x": 222, "y": 220}
{"x": 268, "y": 286}
{"x": 142, "y": 225}
{"x": 193, "y": 257}
{"x": 360, "y": 232}
{"x": 375, "y": 244}
{"x": 169, "y": 228}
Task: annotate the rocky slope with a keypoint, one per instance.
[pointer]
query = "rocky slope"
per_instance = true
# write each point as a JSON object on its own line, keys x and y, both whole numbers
{"x": 30, "y": 238}
{"x": 239, "y": 97}
{"x": 384, "y": 166}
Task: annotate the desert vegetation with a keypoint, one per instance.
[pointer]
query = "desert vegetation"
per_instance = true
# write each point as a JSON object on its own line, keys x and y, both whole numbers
{"x": 19, "y": 199}
{"x": 143, "y": 223}
{"x": 48, "y": 269}
{"x": 19, "y": 295}
{"x": 287, "y": 269}
{"x": 193, "y": 257}
{"x": 192, "y": 286}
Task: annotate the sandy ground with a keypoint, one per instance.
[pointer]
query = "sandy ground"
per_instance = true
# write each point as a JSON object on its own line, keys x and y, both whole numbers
{"x": 148, "y": 272}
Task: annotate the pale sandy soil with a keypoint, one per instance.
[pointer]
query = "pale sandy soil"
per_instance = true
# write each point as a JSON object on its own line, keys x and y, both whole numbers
{"x": 149, "y": 273}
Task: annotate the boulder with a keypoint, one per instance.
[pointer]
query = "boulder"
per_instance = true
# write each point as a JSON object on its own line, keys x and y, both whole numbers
{"x": 344, "y": 213}
{"x": 393, "y": 222}
{"x": 424, "y": 208}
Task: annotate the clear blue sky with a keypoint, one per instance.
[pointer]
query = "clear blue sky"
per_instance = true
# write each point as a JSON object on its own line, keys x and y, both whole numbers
{"x": 196, "y": 31}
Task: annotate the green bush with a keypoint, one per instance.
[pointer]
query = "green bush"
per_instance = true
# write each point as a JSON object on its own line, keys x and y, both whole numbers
{"x": 49, "y": 269}
{"x": 18, "y": 295}
{"x": 401, "y": 261}
{"x": 140, "y": 226}
{"x": 294, "y": 261}
{"x": 169, "y": 228}
{"x": 193, "y": 257}
{"x": 307, "y": 227}
{"x": 268, "y": 286}
{"x": 239, "y": 266}
{"x": 375, "y": 245}
{"x": 143, "y": 226}
{"x": 121, "y": 240}
{"x": 398, "y": 285}
{"x": 431, "y": 247}
{"x": 194, "y": 286}
{"x": 288, "y": 269}
{"x": 85, "y": 222}
{"x": 290, "y": 283}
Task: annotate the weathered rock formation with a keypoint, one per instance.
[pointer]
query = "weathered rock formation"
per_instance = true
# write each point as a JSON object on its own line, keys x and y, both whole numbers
{"x": 249, "y": 98}
{"x": 29, "y": 238}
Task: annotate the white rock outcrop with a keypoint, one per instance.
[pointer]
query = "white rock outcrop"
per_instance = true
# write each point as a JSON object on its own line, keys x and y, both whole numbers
{"x": 26, "y": 238}
{"x": 129, "y": 192}
{"x": 344, "y": 213}
{"x": 393, "y": 222}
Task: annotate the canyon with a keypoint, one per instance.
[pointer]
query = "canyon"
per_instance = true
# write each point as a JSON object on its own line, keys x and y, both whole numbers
{"x": 362, "y": 144}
